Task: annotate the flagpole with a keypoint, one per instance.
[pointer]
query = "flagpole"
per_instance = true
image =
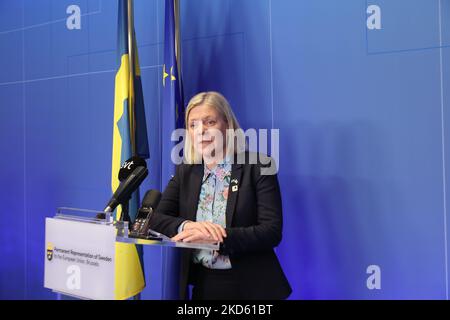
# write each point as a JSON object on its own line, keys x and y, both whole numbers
{"x": 176, "y": 8}
{"x": 131, "y": 57}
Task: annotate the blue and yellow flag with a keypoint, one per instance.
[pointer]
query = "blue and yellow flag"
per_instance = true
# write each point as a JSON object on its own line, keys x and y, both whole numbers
{"x": 129, "y": 139}
{"x": 173, "y": 104}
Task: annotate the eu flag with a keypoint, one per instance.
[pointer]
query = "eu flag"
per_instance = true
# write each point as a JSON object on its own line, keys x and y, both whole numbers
{"x": 172, "y": 117}
{"x": 173, "y": 104}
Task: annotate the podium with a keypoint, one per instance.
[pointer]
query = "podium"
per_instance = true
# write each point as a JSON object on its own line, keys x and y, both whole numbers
{"x": 80, "y": 252}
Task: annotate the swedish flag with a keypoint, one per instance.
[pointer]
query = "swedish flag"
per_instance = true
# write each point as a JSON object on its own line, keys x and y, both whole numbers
{"x": 129, "y": 139}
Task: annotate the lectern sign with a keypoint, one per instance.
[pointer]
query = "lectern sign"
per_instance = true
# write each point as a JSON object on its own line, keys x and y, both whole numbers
{"x": 79, "y": 258}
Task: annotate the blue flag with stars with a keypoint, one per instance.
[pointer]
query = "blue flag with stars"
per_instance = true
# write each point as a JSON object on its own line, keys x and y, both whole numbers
{"x": 173, "y": 104}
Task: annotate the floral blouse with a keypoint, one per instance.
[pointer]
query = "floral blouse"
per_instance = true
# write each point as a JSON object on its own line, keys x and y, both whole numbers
{"x": 211, "y": 207}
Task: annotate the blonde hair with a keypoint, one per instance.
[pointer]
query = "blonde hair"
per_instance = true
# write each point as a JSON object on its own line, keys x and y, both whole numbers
{"x": 221, "y": 105}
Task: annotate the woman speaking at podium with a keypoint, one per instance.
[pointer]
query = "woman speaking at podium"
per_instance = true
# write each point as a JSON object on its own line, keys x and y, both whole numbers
{"x": 215, "y": 197}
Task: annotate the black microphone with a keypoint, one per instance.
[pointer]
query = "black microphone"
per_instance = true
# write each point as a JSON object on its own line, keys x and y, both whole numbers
{"x": 128, "y": 167}
{"x": 151, "y": 200}
{"x": 126, "y": 188}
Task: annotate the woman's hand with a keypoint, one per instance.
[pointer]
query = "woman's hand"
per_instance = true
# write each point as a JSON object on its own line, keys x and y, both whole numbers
{"x": 201, "y": 232}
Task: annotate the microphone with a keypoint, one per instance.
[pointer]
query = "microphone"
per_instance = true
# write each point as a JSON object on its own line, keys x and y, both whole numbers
{"x": 151, "y": 200}
{"x": 126, "y": 188}
{"x": 128, "y": 167}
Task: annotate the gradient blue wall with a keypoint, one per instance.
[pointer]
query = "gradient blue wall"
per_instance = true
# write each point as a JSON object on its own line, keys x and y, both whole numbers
{"x": 363, "y": 119}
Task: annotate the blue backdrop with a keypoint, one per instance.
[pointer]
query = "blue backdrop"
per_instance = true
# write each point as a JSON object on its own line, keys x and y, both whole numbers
{"x": 363, "y": 116}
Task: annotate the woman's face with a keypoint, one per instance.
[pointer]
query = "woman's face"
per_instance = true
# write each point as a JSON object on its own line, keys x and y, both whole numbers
{"x": 207, "y": 130}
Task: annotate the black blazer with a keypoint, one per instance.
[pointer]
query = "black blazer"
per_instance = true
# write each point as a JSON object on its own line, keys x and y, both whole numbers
{"x": 253, "y": 224}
